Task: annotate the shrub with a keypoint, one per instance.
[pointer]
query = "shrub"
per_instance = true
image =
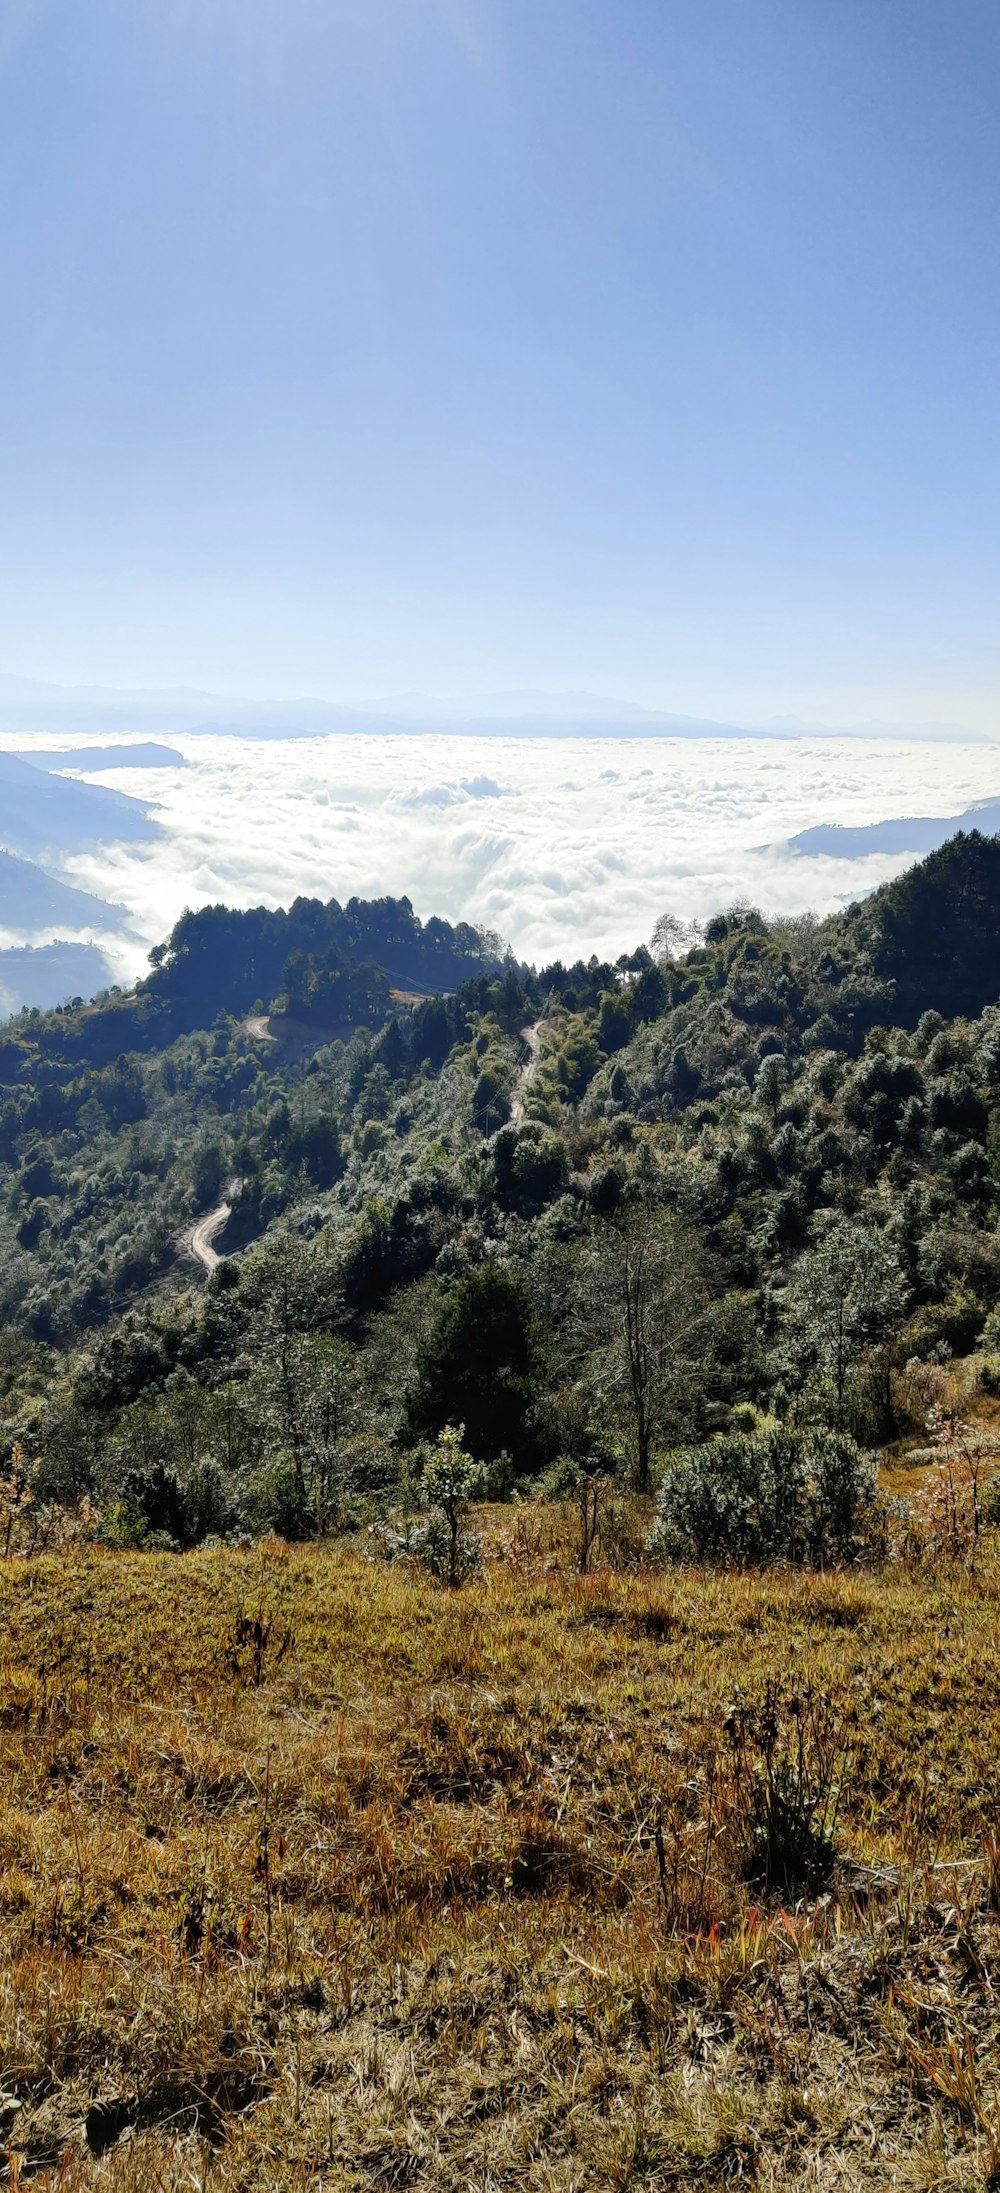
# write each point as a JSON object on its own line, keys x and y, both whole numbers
{"x": 125, "y": 1526}
{"x": 530, "y": 1167}
{"x": 290, "y": 1513}
{"x": 801, "y": 1496}
{"x": 155, "y": 1496}
{"x": 584, "y": 1490}
{"x": 451, "y": 1480}
{"x": 211, "y": 1512}
{"x": 256, "y": 1642}
{"x": 959, "y": 1496}
{"x": 453, "y": 1556}
{"x": 440, "y": 1541}
{"x": 957, "y": 1321}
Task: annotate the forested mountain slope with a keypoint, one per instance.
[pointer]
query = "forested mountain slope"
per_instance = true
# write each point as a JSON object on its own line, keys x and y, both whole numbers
{"x": 778, "y": 1152}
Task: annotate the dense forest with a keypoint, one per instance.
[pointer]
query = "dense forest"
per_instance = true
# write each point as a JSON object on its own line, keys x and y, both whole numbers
{"x": 680, "y": 1222}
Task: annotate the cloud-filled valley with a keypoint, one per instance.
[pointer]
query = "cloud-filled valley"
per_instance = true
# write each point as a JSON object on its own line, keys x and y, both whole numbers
{"x": 563, "y": 845}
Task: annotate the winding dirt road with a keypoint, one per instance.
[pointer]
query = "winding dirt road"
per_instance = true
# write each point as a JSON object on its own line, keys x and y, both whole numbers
{"x": 532, "y": 1036}
{"x": 202, "y": 1237}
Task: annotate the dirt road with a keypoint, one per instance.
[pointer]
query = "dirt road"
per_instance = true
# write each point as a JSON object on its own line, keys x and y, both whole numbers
{"x": 202, "y": 1236}
{"x": 532, "y": 1036}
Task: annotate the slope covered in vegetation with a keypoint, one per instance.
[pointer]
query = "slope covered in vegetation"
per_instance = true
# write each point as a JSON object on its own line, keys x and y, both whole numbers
{"x": 770, "y": 1162}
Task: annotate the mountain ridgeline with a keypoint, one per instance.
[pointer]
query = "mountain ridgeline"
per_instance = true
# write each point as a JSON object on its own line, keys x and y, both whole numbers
{"x": 455, "y": 1189}
{"x": 333, "y": 967}
{"x": 329, "y": 964}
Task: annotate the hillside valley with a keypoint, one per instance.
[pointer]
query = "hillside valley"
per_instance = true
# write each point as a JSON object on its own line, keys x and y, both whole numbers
{"x": 500, "y": 1556}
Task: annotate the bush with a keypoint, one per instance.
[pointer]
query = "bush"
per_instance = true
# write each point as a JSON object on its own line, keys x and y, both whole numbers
{"x": 124, "y": 1526}
{"x": 765, "y": 1496}
{"x": 957, "y": 1321}
{"x": 530, "y": 1167}
{"x": 211, "y": 1512}
{"x": 451, "y": 1479}
{"x": 585, "y": 1491}
{"x": 441, "y": 1542}
{"x": 155, "y": 1496}
{"x": 430, "y": 1544}
{"x": 290, "y": 1513}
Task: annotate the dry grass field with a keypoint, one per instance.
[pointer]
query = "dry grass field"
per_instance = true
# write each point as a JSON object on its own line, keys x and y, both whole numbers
{"x": 313, "y": 1874}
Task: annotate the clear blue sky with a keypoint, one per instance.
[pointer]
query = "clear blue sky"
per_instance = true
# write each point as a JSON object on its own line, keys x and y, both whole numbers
{"x": 648, "y": 347}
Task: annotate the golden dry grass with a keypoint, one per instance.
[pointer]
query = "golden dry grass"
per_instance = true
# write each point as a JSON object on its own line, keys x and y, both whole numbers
{"x": 452, "y": 1896}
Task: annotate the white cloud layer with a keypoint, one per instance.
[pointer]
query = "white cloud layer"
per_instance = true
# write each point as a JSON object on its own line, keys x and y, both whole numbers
{"x": 565, "y": 846}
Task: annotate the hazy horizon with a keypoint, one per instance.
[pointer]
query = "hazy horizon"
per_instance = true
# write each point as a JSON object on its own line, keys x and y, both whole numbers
{"x": 22, "y": 698}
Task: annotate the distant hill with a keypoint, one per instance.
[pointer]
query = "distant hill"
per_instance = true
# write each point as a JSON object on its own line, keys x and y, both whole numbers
{"x": 95, "y": 711}
{"x": 73, "y": 711}
{"x": 30, "y": 899}
{"x": 49, "y": 974}
{"x": 41, "y": 813}
{"x": 905, "y": 834}
{"x": 145, "y": 754}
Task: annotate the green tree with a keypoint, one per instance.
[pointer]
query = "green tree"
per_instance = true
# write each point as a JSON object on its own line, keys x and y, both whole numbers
{"x": 845, "y": 1301}
{"x": 317, "y": 1147}
{"x": 614, "y": 1027}
{"x": 476, "y": 1365}
{"x": 490, "y": 1105}
{"x": 309, "y": 1396}
{"x": 297, "y": 1297}
{"x": 209, "y": 1172}
{"x": 332, "y": 1406}
{"x": 648, "y": 1295}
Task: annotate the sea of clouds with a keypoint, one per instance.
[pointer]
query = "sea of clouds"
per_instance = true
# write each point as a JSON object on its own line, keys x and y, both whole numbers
{"x": 564, "y": 845}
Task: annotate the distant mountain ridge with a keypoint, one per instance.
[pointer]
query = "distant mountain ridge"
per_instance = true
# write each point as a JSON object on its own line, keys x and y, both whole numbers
{"x": 31, "y": 899}
{"x": 42, "y": 813}
{"x": 148, "y": 754}
{"x": 46, "y": 975}
{"x": 906, "y": 834}
{"x": 64, "y": 711}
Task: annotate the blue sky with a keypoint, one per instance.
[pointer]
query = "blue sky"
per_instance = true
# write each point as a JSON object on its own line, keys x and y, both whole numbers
{"x": 646, "y": 347}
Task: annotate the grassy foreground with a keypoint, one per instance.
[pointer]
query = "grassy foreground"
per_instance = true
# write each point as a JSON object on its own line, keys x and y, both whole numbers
{"x": 314, "y": 1875}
